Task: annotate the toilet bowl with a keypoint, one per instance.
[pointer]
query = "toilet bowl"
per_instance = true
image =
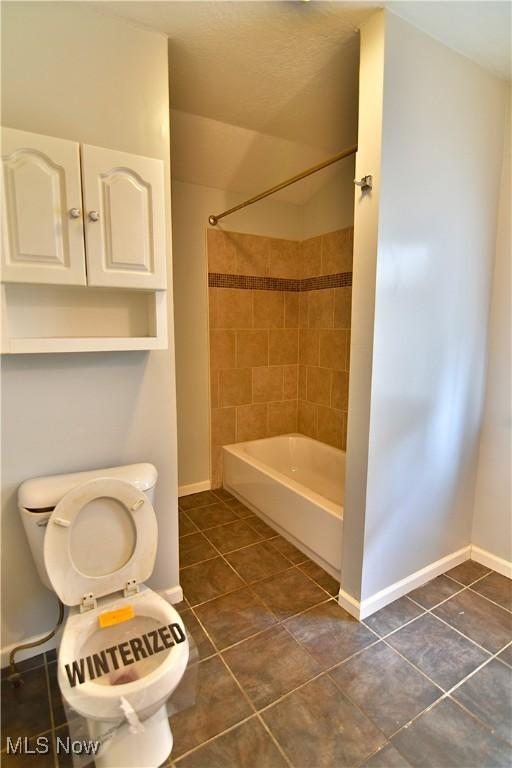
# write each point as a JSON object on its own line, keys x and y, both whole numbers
{"x": 124, "y": 648}
{"x": 144, "y": 684}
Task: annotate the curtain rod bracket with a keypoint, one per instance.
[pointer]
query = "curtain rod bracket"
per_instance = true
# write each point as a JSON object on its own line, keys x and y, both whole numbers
{"x": 365, "y": 182}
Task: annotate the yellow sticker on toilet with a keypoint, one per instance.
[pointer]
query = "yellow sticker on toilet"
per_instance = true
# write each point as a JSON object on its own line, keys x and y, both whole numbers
{"x": 109, "y": 618}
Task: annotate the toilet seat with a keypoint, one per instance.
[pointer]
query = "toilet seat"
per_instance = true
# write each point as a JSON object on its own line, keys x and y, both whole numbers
{"x": 72, "y": 538}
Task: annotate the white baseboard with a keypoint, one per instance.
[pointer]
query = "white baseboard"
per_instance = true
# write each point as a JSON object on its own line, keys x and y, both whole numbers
{"x": 492, "y": 561}
{"x": 363, "y": 609}
{"x": 188, "y": 490}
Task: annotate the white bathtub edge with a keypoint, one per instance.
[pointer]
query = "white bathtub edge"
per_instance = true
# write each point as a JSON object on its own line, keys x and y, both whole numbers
{"x": 236, "y": 449}
{"x": 362, "y": 609}
{"x": 286, "y": 534}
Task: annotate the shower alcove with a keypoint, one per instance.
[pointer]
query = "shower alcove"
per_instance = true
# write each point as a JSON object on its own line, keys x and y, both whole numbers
{"x": 264, "y": 297}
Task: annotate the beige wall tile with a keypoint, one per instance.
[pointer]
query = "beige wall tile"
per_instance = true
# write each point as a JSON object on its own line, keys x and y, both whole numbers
{"x": 267, "y": 376}
{"x": 252, "y": 254}
{"x": 221, "y": 252}
{"x": 222, "y": 349}
{"x": 333, "y": 349}
{"x": 321, "y": 308}
{"x": 311, "y": 250}
{"x": 303, "y": 381}
{"x": 319, "y": 386}
{"x": 212, "y": 306}
{"x": 342, "y": 307}
{"x": 251, "y": 422}
{"x": 282, "y": 417}
{"x": 290, "y": 381}
{"x": 303, "y": 309}
{"x": 330, "y": 425}
{"x": 267, "y": 384}
{"x": 344, "y": 431}
{"x": 268, "y": 309}
{"x": 214, "y": 389}
{"x": 251, "y": 348}
{"x": 223, "y": 426}
{"x": 337, "y": 250}
{"x": 308, "y": 347}
{"x": 235, "y": 386}
{"x": 283, "y": 346}
{"x": 339, "y": 390}
{"x": 306, "y": 418}
{"x": 234, "y": 308}
{"x": 291, "y": 309}
{"x": 284, "y": 259}
{"x": 216, "y": 462}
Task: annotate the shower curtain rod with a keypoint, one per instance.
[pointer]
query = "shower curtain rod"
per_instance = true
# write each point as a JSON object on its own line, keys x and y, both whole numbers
{"x": 213, "y": 219}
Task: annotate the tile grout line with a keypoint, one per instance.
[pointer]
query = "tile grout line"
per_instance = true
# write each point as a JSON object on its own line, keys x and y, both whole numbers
{"x": 498, "y": 605}
{"x": 243, "y": 586}
{"x": 444, "y": 693}
{"x": 255, "y": 711}
{"x": 443, "y": 621}
{"x": 245, "y": 695}
{"x": 50, "y": 705}
{"x": 212, "y": 738}
{"x": 466, "y": 637}
{"x": 231, "y": 551}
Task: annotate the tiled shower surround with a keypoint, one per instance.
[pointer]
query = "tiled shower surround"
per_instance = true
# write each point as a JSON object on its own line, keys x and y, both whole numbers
{"x": 279, "y": 337}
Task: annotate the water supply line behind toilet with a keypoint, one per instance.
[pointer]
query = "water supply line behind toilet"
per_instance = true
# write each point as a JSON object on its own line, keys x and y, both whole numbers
{"x": 14, "y": 677}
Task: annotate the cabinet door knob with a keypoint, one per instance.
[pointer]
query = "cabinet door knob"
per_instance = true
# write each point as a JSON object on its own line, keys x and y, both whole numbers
{"x": 74, "y": 213}
{"x": 94, "y": 215}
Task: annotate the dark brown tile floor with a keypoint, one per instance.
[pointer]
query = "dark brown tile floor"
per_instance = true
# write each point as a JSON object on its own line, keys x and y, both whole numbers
{"x": 426, "y": 681}
{"x": 288, "y": 679}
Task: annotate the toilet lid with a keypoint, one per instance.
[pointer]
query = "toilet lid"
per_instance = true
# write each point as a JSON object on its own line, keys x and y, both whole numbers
{"x": 101, "y": 536}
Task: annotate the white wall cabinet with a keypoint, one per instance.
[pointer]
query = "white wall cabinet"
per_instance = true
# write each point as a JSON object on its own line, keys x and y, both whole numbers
{"x": 43, "y": 239}
{"x": 124, "y": 219}
{"x": 83, "y": 247}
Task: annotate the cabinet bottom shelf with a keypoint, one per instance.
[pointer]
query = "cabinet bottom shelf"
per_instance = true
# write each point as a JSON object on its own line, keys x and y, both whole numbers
{"x": 97, "y": 344}
{"x": 41, "y": 319}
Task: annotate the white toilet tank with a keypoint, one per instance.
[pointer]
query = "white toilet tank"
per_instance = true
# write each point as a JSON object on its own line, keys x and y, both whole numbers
{"x": 37, "y": 498}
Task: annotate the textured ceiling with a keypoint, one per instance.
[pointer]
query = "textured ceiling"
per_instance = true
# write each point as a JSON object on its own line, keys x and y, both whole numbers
{"x": 273, "y": 85}
{"x": 288, "y": 69}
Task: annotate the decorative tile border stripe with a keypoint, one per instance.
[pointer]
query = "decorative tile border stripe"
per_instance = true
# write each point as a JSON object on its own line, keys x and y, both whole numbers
{"x": 251, "y": 282}
{"x": 339, "y": 280}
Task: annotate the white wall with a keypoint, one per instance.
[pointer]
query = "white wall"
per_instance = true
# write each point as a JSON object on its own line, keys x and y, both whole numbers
{"x": 332, "y": 207}
{"x": 441, "y": 146}
{"x": 492, "y": 523}
{"x": 366, "y": 221}
{"x": 191, "y": 206}
{"x": 218, "y": 155}
{"x": 68, "y": 71}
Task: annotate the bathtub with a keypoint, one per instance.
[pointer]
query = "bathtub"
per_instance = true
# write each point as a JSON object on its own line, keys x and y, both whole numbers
{"x": 296, "y": 484}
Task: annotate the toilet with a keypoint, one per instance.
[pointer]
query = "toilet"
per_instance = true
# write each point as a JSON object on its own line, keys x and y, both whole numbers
{"x": 124, "y": 649}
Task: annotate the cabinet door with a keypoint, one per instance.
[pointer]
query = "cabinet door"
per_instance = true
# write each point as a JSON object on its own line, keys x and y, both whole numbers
{"x": 124, "y": 219}
{"x": 43, "y": 237}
